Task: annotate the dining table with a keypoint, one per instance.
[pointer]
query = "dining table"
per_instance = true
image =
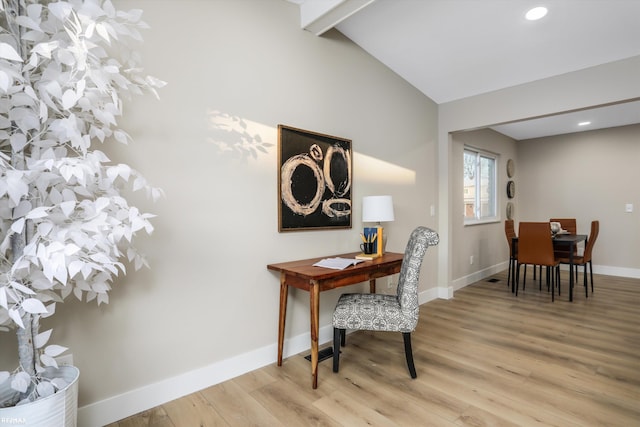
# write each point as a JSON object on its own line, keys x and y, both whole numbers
{"x": 566, "y": 242}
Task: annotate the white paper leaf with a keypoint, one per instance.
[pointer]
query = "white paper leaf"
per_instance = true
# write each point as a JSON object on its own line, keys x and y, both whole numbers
{"x": 121, "y": 136}
{"x": 69, "y": 99}
{"x": 61, "y": 273}
{"x": 21, "y": 288}
{"x": 16, "y": 187}
{"x": 34, "y": 306}
{"x": 48, "y": 360}
{"x": 15, "y": 316}
{"x": 28, "y": 22}
{"x": 42, "y": 338}
{"x": 3, "y": 300}
{"x": 18, "y": 226}
{"x": 21, "y": 381}
{"x": 44, "y": 228}
{"x": 8, "y": 52}
{"x": 60, "y": 10}
{"x": 101, "y": 258}
{"x": 54, "y": 350}
{"x": 75, "y": 267}
{"x": 45, "y": 388}
{"x": 39, "y": 212}
{"x": 103, "y": 299}
{"x": 102, "y": 203}
{"x": 5, "y": 81}
{"x": 51, "y": 309}
{"x": 23, "y": 208}
{"x": 18, "y": 141}
{"x": 101, "y": 29}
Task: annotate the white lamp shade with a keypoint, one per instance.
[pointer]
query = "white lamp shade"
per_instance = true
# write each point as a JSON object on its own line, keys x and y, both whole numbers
{"x": 377, "y": 209}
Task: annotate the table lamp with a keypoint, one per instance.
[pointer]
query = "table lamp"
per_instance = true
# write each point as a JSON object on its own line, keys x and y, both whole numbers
{"x": 378, "y": 209}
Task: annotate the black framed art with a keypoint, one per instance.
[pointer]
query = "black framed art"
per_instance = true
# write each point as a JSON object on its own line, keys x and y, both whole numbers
{"x": 314, "y": 180}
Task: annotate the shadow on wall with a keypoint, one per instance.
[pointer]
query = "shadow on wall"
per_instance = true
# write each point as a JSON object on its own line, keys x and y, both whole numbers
{"x": 235, "y": 137}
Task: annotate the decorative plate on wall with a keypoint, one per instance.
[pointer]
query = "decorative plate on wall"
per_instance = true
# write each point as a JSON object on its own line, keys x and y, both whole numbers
{"x": 509, "y": 210}
{"x": 511, "y": 168}
{"x": 511, "y": 189}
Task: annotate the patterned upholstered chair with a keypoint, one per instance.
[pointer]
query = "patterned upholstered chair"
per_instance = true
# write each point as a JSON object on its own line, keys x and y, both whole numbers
{"x": 380, "y": 312}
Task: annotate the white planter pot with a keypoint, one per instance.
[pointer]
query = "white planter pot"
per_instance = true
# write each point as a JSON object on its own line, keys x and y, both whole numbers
{"x": 58, "y": 410}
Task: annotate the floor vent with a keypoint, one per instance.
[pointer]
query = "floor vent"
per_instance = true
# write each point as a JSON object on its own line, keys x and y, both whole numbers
{"x": 323, "y": 354}
{"x": 493, "y": 280}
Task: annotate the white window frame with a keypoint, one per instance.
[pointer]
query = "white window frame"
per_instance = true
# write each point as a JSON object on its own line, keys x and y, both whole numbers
{"x": 493, "y": 191}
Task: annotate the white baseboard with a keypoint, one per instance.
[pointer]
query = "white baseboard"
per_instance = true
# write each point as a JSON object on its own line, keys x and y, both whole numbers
{"x": 132, "y": 402}
{"x": 479, "y": 275}
{"x": 633, "y": 273}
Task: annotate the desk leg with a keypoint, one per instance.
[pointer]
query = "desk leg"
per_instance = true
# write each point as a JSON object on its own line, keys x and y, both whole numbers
{"x": 372, "y": 286}
{"x": 314, "y": 302}
{"x": 284, "y": 291}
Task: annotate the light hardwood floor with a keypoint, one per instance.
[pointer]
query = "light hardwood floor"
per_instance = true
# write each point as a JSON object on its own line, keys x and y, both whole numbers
{"x": 484, "y": 358}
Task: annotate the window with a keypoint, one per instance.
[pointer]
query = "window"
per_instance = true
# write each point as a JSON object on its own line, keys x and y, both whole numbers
{"x": 480, "y": 182}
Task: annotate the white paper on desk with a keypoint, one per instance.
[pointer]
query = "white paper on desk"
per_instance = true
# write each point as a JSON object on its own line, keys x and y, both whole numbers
{"x": 337, "y": 263}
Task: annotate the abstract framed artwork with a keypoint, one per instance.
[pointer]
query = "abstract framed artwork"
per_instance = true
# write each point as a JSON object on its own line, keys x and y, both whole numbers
{"x": 314, "y": 180}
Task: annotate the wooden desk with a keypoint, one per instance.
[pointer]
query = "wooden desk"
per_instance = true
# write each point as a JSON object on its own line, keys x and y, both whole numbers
{"x": 303, "y": 275}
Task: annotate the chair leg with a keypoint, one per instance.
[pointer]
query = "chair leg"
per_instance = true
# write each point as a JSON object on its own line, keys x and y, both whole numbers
{"x": 585, "y": 281}
{"x": 553, "y": 286}
{"x": 337, "y": 336}
{"x": 409, "y": 354}
{"x": 591, "y": 273}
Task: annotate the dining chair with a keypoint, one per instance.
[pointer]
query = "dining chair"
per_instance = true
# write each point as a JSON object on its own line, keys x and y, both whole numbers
{"x": 536, "y": 248}
{"x": 510, "y": 233}
{"x": 568, "y": 224}
{"x": 586, "y": 256}
{"x": 382, "y": 312}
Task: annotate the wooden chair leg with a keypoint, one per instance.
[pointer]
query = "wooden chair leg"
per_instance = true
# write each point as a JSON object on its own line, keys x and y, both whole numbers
{"x": 591, "y": 273}
{"x": 337, "y": 335}
{"x": 409, "y": 354}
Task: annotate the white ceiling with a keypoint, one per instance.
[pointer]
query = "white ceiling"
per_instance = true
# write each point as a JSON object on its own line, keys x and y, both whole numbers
{"x": 453, "y": 49}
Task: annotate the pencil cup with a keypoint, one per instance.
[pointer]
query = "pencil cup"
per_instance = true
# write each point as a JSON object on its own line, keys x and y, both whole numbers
{"x": 367, "y": 248}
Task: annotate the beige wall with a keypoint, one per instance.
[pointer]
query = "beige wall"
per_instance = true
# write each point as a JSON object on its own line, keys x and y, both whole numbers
{"x": 208, "y": 303}
{"x": 587, "y": 176}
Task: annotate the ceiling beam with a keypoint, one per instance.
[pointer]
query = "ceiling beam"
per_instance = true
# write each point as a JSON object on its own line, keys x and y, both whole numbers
{"x": 318, "y": 17}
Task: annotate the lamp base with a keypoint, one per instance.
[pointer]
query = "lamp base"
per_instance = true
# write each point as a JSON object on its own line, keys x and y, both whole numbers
{"x": 380, "y": 241}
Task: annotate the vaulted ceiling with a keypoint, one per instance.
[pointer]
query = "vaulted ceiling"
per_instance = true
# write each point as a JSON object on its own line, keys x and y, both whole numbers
{"x": 453, "y": 49}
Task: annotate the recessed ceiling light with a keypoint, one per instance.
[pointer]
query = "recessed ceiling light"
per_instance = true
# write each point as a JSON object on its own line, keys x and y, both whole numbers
{"x": 584, "y": 123}
{"x": 536, "y": 13}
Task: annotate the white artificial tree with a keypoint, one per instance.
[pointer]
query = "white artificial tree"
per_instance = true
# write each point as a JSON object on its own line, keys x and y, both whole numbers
{"x": 65, "y": 225}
